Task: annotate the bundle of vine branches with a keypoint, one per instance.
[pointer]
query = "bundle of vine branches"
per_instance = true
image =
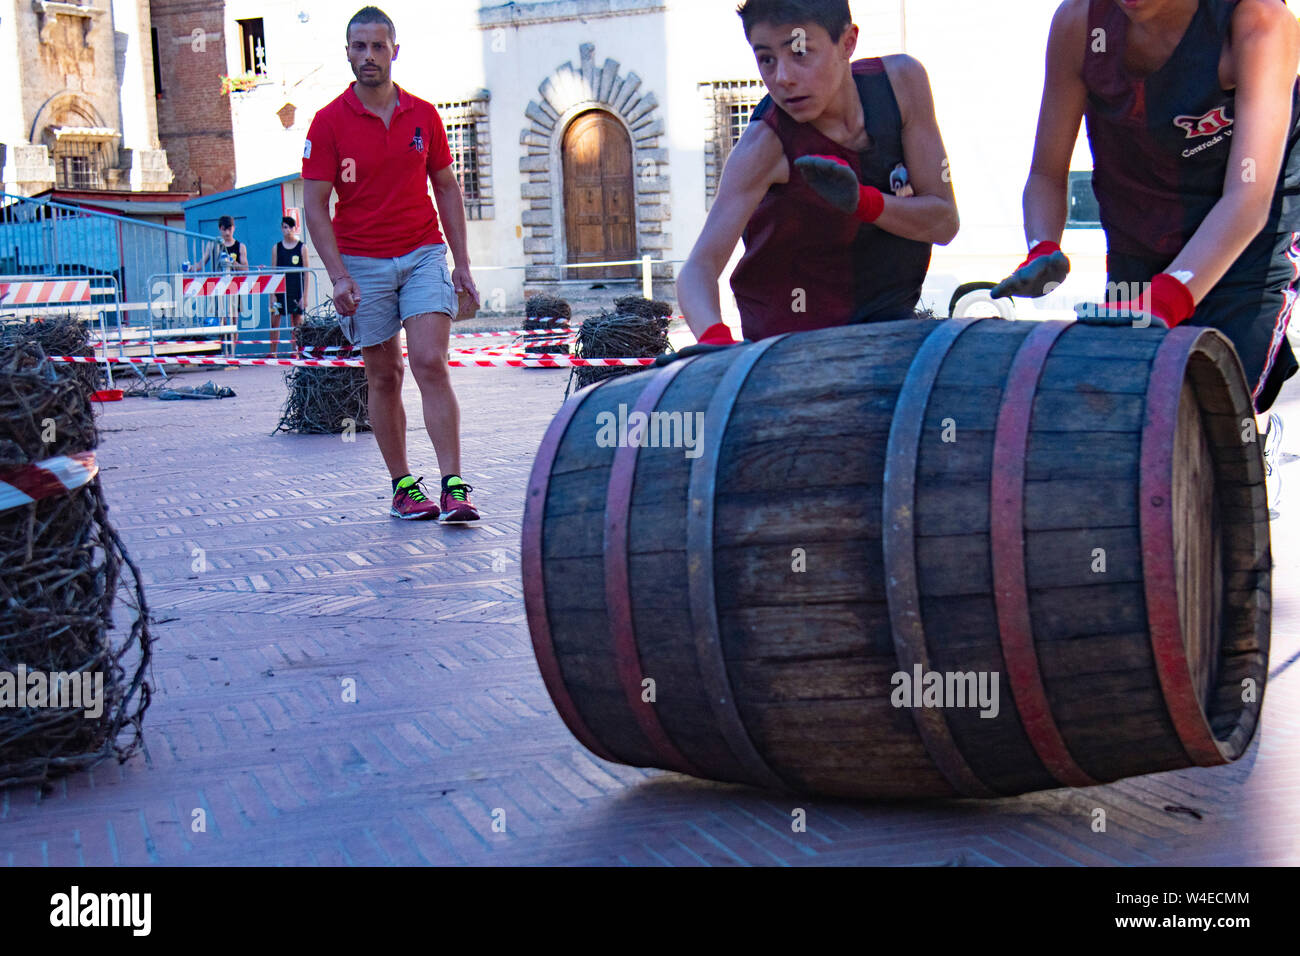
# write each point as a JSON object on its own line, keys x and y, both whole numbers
{"x": 325, "y": 401}
{"x": 543, "y": 313}
{"x": 638, "y": 329}
{"x": 646, "y": 308}
{"x": 546, "y": 312}
{"x": 72, "y": 604}
{"x": 57, "y": 335}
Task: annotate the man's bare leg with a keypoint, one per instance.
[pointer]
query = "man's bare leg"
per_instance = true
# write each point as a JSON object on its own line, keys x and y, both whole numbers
{"x": 384, "y": 370}
{"x": 275, "y": 332}
{"x": 427, "y": 338}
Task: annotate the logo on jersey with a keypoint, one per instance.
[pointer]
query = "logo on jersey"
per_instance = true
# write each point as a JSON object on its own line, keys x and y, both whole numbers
{"x": 1215, "y": 121}
{"x": 417, "y": 142}
{"x": 306, "y": 150}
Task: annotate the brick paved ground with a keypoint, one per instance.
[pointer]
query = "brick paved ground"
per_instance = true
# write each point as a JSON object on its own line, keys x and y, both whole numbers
{"x": 309, "y": 582}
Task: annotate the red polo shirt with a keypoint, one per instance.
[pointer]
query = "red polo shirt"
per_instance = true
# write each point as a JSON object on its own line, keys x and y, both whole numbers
{"x": 381, "y": 174}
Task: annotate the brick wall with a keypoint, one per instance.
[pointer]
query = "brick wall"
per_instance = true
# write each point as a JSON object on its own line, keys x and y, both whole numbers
{"x": 193, "y": 117}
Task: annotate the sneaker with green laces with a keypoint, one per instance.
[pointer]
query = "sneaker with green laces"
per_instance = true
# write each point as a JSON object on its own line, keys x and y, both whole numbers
{"x": 410, "y": 503}
{"x": 456, "y": 506}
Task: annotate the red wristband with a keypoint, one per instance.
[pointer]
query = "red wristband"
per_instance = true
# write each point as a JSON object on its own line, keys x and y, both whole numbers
{"x": 1171, "y": 300}
{"x": 717, "y": 334}
{"x": 871, "y": 204}
{"x": 1040, "y": 250}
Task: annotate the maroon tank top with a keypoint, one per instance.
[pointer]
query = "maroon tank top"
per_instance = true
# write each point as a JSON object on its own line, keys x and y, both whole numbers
{"x": 1161, "y": 144}
{"x": 799, "y": 250}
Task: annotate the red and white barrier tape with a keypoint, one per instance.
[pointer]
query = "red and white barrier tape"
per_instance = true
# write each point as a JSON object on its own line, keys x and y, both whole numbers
{"x": 284, "y": 340}
{"x": 534, "y": 337}
{"x": 465, "y": 361}
{"x": 54, "y": 476}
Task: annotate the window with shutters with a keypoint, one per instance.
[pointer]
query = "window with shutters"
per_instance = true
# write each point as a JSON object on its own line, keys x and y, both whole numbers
{"x": 731, "y": 104}
{"x": 466, "y": 122}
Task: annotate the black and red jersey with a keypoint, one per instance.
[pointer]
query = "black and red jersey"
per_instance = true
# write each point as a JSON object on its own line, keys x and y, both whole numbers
{"x": 806, "y": 264}
{"x": 1161, "y": 143}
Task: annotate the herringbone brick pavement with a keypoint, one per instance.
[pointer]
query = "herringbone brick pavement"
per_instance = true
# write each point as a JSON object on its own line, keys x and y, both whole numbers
{"x": 276, "y": 575}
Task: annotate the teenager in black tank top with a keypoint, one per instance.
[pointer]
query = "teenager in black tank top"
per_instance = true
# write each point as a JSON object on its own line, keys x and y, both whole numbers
{"x": 290, "y": 258}
{"x": 231, "y": 246}
{"x": 1199, "y": 188}
{"x": 289, "y": 253}
{"x": 1199, "y": 194}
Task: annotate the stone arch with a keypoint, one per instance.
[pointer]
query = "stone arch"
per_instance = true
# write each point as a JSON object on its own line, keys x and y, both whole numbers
{"x": 565, "y": 94}
{"x": 59, "y": 110}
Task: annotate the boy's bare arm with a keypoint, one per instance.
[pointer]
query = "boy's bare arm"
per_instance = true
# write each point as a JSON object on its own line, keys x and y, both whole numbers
{"x": 756, "y": 163}
{"x": 930, "y": 215}
{"x": 1047, "y": 202}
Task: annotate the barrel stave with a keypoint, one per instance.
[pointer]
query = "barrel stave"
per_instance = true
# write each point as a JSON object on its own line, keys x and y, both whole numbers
{"x": 827, "y": 444}
{"x": 659, "y": 583}
{"x": 573, "y": 546}
{"x": 954, "y": 552}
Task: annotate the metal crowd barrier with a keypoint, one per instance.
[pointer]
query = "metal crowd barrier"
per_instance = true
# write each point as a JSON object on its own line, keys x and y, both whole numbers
{"x": 36, "y": 296}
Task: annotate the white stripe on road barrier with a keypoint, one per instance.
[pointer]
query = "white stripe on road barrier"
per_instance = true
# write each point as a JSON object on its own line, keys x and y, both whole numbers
{"x": 44, "y": 292}
{"x": 255, "y": 284}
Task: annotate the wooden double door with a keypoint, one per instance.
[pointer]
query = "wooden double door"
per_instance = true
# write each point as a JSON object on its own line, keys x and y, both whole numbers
{"x": 599, "y": 196}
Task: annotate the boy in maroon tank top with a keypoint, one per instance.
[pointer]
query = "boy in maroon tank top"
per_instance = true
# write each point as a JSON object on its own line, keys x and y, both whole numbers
{"x": 1193, "y": 116}
{"x": 839, "y": 186}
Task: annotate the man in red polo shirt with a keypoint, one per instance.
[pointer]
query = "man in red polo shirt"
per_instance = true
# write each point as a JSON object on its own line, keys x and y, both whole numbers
{"x": 379, "y": 147}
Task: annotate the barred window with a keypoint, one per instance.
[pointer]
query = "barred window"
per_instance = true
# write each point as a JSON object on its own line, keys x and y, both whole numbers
{"x": 80, "y": 165}
{"x": 732, "y": 102}
{"x": 466, "y": 122}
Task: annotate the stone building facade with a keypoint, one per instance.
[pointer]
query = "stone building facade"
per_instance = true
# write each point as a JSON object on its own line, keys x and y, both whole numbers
{"x": 81, "y": 116}
{"x": 584, "y": 131}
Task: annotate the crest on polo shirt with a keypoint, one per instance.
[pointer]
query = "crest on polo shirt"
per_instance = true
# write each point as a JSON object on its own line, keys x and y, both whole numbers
{"x": 306, "y": 149}
{"x": 417, "y": 141}
{"x": 1215, "y": 121}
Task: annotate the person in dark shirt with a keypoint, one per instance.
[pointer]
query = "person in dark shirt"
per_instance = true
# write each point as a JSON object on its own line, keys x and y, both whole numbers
{"x": 839, "y": 186}
{"x": 1194, "y": 121}
{"x": 289, "y": 253}
{"x": 235, "y": 251}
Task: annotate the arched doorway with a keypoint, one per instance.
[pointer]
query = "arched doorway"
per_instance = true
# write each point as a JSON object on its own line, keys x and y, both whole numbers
{"x": 599, "y": 196}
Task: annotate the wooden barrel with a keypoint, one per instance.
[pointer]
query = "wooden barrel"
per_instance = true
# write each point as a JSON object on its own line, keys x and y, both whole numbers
{"x": 1073, "y": 516}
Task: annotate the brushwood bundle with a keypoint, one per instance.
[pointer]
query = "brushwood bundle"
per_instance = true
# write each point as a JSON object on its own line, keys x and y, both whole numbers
{"x": 75, "y": 645}
{"x": 325, "y": 401}
{"x": 638, "y": 329}
{"x": 544, "y": 318}
{"x": 57, "y": 335}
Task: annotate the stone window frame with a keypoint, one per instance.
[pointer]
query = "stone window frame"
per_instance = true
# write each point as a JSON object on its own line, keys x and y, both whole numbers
{"x": 472, "y": 112}
{"x": 725, "y": 98}
{"x": 567, "y": 93}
